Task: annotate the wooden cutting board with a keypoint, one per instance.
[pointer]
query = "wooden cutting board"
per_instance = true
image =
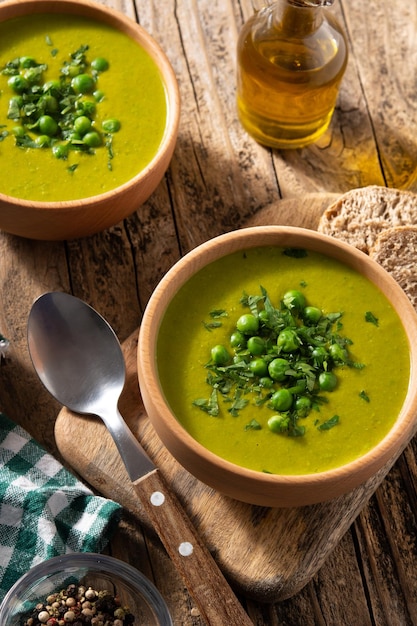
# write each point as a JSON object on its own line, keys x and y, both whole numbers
{"x": 267, "y": 554}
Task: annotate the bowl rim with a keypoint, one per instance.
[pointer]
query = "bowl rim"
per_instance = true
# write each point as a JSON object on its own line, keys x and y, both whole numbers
{"x": 101, "y": 562}
{"x": 406, "y": 421}
{"x": 123, "y": 23}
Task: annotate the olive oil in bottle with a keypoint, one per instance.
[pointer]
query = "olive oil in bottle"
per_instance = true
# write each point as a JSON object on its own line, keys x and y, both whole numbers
{"x": 291, "y": 58}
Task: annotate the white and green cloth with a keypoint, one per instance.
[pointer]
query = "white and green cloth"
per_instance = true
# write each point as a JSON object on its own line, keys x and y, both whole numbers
{"x": 44, "y": 510}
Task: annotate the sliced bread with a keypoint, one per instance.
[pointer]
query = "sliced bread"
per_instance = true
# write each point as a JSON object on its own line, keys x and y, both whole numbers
{"x": 360, "y": 215}
{"x": 396, "y": 250}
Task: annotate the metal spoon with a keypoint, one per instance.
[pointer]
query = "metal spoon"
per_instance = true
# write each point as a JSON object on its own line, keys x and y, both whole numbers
{"x": 78, "y": 358}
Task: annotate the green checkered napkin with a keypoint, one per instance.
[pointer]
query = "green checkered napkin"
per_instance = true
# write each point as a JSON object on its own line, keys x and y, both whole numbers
{"x": 44, "y": 510}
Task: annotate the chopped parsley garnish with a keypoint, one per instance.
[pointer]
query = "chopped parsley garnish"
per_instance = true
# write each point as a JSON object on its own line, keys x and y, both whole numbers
{"x": 210, "y": 406}
{"x": 58, "y": 114}
{"x": 211, "y": 325}
{"x": 285, "y": 357}
{"x": 370, "y": 317}
{"x": 215, "y": 315}
{"x": 218, "y": 313}
{"x": 330, "y": 423}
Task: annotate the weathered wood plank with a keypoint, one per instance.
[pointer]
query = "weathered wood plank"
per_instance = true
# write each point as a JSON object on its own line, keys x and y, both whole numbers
{"x": 382, "y": 35}
{"x": 387, "y": 539}
{"x": 27, "y": 269}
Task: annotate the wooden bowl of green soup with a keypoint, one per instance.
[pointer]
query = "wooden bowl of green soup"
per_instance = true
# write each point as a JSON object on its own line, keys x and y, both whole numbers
{"x": 279, "y": 366}
{"x": 89, "y": 114}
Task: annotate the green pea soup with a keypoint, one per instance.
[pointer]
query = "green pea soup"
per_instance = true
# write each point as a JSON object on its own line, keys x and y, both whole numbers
{"x": 367, "y": 400}
{"x": 133, "y": 92}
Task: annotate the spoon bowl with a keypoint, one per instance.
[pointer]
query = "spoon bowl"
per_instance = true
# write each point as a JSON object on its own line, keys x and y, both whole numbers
{"x": 79, "y": 360}
{"x": 72, "y": 348}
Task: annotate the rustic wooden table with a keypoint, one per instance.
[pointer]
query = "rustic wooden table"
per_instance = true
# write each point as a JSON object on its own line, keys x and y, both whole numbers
{"x": 218, "y": 180}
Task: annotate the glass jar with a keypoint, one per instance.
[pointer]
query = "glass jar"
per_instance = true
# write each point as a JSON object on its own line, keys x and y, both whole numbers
{"x": 96, "y": 570}
{"x": 291, "y": 57}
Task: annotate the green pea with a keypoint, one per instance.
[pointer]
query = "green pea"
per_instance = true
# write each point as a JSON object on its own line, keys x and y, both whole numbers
{"x": 294, "y": 299}
{"x": 48, "y": 126}
{"x": 52, "y": 87}
{"x": 278, "y": 368}
{"x": 288, "y": 340}
{"x": 237, "y": 339}
{"x": 83, "y": 83}
{"x": 60, "y": 151}
{"x": 86, "y": 107}
{"x": 74, "y": 138}
{"x": 320, "y": 355}
{"x": 302, "y": 406}
{"x": 98, "y": 95}
{"x": 82, "y": 125}
{"x": 278, "y": 423}
{"x": 49, "y": 103}
{"x": 256, "y": 345}
{"x": 43, "y": 141}
{"x": 92, "y": 139}
{"x": 18, "y": 83}
{"x": 259, "y": 367}
{"x": 248, "y": 324}
{"x": 73, "y": 70}
{"x": 111, "y": 126}
{"x": 18, "y": 131}
{"x": 263, "y": 317}
{"x": 220, "y": 355}
{"x": 26, "y": 62}
{"x": 281, "y": 400}
{"x": 312, "y": 314}
{"x": 327, "y": 381}
{"x": 32, "y": 75}
{"x": 338, "y": 353}
{"x": 266, "y": 382}
{"x": 100, "y": 64}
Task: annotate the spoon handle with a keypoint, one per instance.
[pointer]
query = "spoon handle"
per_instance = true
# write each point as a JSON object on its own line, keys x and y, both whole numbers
{"x": 215, "y": 599}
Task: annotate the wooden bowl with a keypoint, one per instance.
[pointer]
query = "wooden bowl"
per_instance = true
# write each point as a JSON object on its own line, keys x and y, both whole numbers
{"x": 238, "y": 482}
{"x": 78, "y": 218}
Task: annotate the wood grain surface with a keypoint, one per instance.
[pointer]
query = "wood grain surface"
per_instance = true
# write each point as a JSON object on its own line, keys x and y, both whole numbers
{"x": 219, "y": 179}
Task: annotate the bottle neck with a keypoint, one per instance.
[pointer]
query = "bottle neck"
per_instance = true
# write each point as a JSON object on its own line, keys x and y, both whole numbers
{"x": 309, "y": 3}
{"x": 294, "y": 18}
{"x": 260, "y": 4}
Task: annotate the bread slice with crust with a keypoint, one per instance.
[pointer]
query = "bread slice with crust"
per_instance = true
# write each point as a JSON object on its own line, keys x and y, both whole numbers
{"x": 396, "y": 250}
{"x": 361, "y": 215}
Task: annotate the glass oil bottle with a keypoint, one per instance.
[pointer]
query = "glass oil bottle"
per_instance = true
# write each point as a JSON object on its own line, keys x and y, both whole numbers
{"x": 291, "y": 58}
